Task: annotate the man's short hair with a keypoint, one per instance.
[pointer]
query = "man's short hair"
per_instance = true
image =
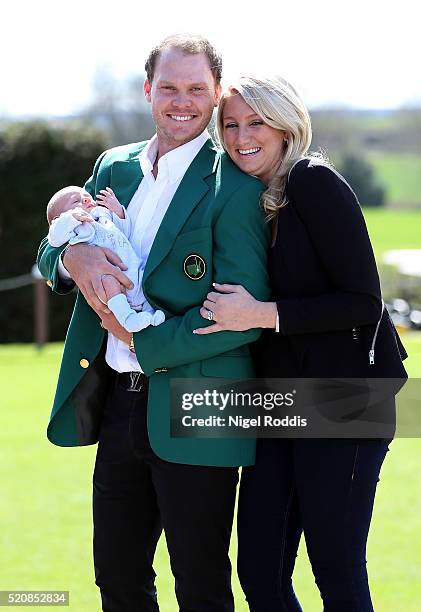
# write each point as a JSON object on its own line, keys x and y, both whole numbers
{"x": 190, "y": 44}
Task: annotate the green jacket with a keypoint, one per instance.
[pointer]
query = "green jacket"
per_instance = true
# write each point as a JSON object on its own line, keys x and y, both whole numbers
{"x": 215, "y": 214}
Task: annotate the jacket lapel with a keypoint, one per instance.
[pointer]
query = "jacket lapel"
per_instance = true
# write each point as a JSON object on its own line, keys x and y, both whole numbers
{"x": 189, "y": 193}
{"x": 125, "y": 178}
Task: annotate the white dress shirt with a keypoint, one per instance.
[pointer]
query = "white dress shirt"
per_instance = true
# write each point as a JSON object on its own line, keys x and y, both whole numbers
{"x": 146, "y": 211}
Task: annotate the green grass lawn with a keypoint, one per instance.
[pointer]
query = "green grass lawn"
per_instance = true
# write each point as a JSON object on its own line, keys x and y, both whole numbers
{"x": 391, "y": 229}
{"x": 45, "y": 510}
{"x": 401, "y": 176}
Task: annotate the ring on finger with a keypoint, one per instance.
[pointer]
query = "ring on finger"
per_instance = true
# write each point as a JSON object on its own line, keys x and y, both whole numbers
{"x": 210, "y": 315}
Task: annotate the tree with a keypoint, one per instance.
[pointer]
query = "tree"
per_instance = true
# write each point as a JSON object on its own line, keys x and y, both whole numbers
{"x": 360, "y": 175}
{"x": 36, "y": 159}
{"x": 119, "y": 107}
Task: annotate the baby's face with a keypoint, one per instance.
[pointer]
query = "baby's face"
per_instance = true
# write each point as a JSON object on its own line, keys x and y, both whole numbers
{"x": 80, "y": 199}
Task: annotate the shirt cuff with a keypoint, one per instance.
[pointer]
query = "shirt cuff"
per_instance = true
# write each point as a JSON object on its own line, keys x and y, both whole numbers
{"x": 277, "y": 323}
{"x": 61, "y": 270}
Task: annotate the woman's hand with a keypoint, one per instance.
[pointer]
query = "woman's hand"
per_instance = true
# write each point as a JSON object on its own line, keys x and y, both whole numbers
{"x": 233, "y": 308}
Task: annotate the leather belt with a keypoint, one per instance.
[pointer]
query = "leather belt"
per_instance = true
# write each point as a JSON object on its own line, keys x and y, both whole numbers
{"x": 133, "y": 381}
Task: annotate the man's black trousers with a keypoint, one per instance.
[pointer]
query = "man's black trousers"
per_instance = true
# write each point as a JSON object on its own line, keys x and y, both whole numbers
{"x": 136, "y": 495}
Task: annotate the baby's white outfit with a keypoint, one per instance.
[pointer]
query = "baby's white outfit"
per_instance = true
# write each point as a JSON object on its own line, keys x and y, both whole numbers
{"x": 108, "y": 230}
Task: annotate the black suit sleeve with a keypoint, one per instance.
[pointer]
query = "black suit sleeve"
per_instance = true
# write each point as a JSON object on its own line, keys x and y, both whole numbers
{"x": 329, "y": 210}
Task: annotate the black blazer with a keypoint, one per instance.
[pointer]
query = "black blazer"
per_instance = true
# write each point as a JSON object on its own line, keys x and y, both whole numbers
{"x": 326, "y": 286}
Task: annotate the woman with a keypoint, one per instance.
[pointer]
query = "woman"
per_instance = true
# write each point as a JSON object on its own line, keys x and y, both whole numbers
{"x": 326, "y": 319}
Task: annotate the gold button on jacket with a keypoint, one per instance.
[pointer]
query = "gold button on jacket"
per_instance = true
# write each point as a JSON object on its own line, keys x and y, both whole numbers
{"x": 84, "y": 363}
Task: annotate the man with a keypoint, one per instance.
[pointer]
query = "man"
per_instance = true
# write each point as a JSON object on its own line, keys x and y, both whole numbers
{"x": 196, "y": 220}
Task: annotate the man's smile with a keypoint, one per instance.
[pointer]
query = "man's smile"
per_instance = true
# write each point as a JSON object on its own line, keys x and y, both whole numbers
{"x": 181, "y": 117}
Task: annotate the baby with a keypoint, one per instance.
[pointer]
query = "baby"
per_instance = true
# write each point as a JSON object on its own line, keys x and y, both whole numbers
{"x": 74, "y": 217}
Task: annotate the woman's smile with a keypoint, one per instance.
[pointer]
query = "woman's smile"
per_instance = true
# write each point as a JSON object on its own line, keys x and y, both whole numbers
{"x": 249, "y": 151}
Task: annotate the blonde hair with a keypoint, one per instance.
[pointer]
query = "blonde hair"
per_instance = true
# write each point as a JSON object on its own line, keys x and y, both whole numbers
{"x": 280, "y": 106}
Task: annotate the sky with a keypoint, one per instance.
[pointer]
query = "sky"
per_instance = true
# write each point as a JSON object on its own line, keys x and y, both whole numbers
{"x": 362, "y": 54}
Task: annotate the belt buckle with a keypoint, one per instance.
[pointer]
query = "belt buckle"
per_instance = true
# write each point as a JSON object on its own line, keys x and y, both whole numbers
{"x": 135, "y": 382}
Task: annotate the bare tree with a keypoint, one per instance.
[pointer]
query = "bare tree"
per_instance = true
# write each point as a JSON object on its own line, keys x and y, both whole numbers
{"x": 119, "y": 107}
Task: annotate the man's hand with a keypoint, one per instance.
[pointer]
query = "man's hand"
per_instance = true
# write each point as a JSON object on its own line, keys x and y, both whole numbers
{"x": 86, "y": 265}
{"x": 110, "y": 323}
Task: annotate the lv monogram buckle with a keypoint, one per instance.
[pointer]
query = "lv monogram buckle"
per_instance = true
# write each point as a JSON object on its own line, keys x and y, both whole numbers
{"x": 135, "y": 382}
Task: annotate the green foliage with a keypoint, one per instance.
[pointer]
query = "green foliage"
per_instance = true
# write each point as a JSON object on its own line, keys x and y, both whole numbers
{"x": 359, "y": 174}
{"x": 36, "y": 159}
